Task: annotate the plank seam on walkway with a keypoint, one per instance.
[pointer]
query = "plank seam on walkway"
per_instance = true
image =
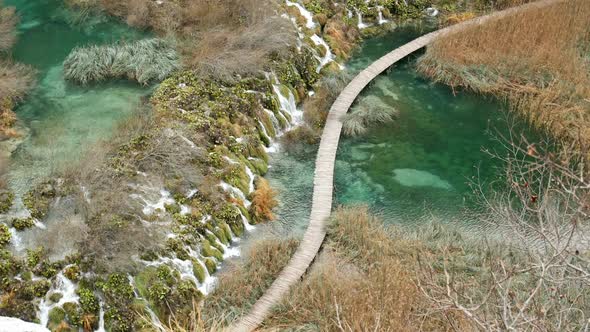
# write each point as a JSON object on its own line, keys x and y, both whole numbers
{"x": 324, "y": 172}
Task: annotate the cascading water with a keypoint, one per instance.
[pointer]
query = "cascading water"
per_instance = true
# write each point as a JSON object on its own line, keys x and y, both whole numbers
{"x": 361, "y": 25}
{"x": 61, "y": 285}
{"x": 310, "y": 24}
{"x": 328, "y": 57}
{"x": 381, "y": 20}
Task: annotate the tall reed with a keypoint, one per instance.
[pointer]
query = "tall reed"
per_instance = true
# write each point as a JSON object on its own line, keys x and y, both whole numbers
{"x": 538, "y": 60}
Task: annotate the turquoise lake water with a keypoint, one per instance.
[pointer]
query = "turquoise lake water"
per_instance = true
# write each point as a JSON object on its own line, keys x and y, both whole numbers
{"x": 63, "y": 119}
{"x": 416, "y": 168}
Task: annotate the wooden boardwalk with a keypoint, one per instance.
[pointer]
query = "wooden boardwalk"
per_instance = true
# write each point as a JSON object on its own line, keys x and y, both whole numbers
{"x": 324, "y": 168}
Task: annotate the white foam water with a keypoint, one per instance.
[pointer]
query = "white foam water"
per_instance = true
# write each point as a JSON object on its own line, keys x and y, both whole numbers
{"x": 235, "y": 192}
{"x": 62, "y": 285}
{"x": 328, "y": 57}
{"x": 310, "y": 24}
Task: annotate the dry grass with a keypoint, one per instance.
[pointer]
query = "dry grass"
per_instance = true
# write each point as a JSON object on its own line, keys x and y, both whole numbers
{"x": 541, "y": 65}
{"x": 216, "y": 38}
{"x": 263, "y": 201}
{"x": 359, "y": 283}
{"x": 8, "y": 21}
{"x": 241, "y": 285}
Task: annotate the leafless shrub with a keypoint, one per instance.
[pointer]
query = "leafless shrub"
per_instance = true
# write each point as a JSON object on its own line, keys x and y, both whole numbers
{"x": 542, "y": 283}
{"x": 8, "y": 21}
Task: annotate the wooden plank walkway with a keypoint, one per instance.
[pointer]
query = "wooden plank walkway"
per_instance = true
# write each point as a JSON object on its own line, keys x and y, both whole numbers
{"x": 324, "y": 168}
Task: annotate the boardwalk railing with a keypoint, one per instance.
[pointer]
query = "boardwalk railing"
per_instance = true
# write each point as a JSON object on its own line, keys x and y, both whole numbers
{"x": 324, "y": 168}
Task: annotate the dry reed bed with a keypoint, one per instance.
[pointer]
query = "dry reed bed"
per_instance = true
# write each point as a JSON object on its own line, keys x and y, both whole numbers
{"x": 538, "y": 60}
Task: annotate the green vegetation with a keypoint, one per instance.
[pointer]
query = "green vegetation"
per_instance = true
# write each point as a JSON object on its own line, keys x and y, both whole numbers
{"x": 23, "y": 223}
{"x": 144, "y": 61}
{"x": 6, "y": 199}
{"x": 5, "y": 235}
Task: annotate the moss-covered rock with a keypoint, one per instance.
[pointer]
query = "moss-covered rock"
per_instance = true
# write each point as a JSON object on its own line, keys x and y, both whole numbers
{"x": 199, "y": 271}
{"x": 88, "y": 301}
{"x": 38, "y": 200}
{"x": 55, "y": 297}
{"x": 211, "y": 265}
{"x": 6, "y": 200}
{"x": 208, "y": 250}
{"x": 23, "y": 223}
{"x": 5, "y": 235}
{"x": 72, "y": 272}
{"x": 57, "y": 316}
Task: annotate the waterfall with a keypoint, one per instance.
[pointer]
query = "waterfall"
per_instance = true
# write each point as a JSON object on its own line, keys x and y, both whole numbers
{"x": 251, "y": 177}
{"x": 62, "y": 285}
{"x": 16, "y": 239}
{"x": 264, "y": 132}
{"x": 185, "y": 268}
{"x": 359, "y": 15}
{"x": 233, "y": 191}
{"x": 305, "y": 13}
{"x": 101, "y": 318}
{"x": 329, "y": 57}
{"x": 381, "y": 19}
{"x": 289, "y": 105}
{"x": 160, "y": 205}
{"x": 275, "y": 122}
{"x": 247, "y": 225}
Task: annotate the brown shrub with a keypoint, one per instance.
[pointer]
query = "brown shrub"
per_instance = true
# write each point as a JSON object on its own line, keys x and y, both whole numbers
{"x": 263, "y": 201}
{"x": 8, "y": 21}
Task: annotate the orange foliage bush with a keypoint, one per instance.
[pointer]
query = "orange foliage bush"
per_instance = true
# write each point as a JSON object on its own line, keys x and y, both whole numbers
{"x": 263, "y": 201}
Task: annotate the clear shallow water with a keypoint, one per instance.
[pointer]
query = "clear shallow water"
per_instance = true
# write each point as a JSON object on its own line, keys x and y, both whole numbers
{"x": 63, "y": 119}
{"x": 408, "y": 171}
{"x": 424, "y": 162}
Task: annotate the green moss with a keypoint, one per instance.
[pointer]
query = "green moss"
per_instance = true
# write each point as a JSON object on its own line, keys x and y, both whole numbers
{"x": 119, "y": 319}
{"x": 259, "y": 166}
{"x": 213, "y": 240}
{"x": 208, "y": 250}
{"x": 172, "y": 208}
{"x": 72, "y": 272}
{"x": 117, "y": 290}
{"x": 56, "y": 316}
{"x": 88, "y": 301}
{"x": 34, "y": 256}
{"x": 220, "y": 234}
{"x": 198, "y": 271}
{"x": 211, "y": 265}
{"x": 38, "y": 200}
{"x": 72, "y": 311}
{"x": 35, "y": 289}
{"x": 55, "y": 297}
{"x": 237, "y": 228}
{"x": 6, "y": 200}
{"x": 5, "y": 235}
{"x": 226, "y": 231}
{"x": 23, "y": 223}
{"x": 47, "y": 269}
{"x": 158, "y": 292}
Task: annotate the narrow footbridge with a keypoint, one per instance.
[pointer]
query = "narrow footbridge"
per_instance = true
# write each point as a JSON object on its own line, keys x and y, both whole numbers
{"x": 324, "y": 168}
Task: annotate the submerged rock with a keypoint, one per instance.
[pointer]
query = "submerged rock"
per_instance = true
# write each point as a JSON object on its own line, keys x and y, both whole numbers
{"x": 415, "y": 178}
